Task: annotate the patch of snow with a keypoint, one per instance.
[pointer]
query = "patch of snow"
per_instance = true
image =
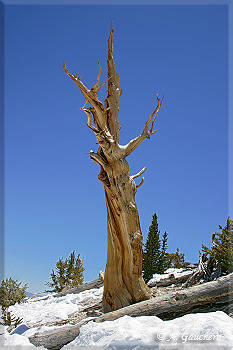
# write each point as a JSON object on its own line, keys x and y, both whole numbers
{"x": 197, "y": 331}
{"x": 176, "y": 272}
{"x": 17, "y": 342}
{"x": 202, "y": 331}
{"x": 53, "y": 309}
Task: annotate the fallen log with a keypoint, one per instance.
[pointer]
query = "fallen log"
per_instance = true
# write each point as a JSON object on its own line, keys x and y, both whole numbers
{"x": 57, "y": 338}
{"x": 97, "y": 283}
{"x": 206, "y": 297}
{"x": 171, "y": 279}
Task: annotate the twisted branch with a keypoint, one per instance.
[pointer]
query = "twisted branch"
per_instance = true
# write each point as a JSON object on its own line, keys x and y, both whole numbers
{"x": 91, "y": 97}
{"x": 146, "y": 130}
{"x": 133, "y": 144}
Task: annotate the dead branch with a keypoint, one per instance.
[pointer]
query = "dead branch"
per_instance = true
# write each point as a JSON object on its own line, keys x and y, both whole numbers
{"x": 114, "y": 93}
{"x": 97, "y": 87}
{"x": 89, "y": 118}
{"x": 146, "y": 130}
{"x": 98, "y": 79}
{"x": 138, "y": 174}
{"x": 91, "y": 97}
{"x": 133, "y": 144}
{"x": 141, "y": 183}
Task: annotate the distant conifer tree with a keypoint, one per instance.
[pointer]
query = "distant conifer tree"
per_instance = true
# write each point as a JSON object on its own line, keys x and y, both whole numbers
{"x": 177, "y": 260}
{"x": 154, "y": 256}
{"x": 164, "y": 257}
{"x": 222, "y": 246}
{"x": 68, "y": 274}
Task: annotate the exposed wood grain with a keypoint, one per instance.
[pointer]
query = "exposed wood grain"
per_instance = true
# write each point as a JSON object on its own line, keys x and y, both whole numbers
{"x": 123, "y": 282}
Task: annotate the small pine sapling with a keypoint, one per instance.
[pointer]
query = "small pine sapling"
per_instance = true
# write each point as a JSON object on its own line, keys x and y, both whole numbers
{"x": 68, "y": 274}
{"x": 177, "y": 260}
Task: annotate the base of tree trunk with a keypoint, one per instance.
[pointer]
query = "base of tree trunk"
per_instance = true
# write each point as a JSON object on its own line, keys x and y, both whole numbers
{"x": 206, "y": 297}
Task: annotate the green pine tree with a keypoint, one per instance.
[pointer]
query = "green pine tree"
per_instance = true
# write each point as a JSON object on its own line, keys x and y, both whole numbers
{"x": 164, "y": 258}
{"x": 11, "y": 292}
{"x": 68, "y": 274}
{"x": 222, "y": 246}
{"x": 153, "y": 254}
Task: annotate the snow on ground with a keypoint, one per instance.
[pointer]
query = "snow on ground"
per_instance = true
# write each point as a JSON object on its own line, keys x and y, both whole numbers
{"x": 197, "y": 331}
{"x": 41, "y": 311}
{"x": 202, "y": 331}
{"x": 16, "y": 341}
{"x": 176, "y": 272}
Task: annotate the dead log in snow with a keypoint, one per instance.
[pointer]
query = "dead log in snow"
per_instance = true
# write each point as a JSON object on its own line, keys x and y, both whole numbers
{"x": 207, "y": 297}
{"x": 56, "y": 338}
{"x": 97, "y": 283}
{"x": 171, "y": 279}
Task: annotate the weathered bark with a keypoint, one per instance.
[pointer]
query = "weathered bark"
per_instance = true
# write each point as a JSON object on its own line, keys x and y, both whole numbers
{"x": 123, "y": 282}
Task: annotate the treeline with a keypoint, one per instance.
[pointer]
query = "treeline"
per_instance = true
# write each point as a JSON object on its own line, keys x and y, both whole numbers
{"x": 156, "y": 259}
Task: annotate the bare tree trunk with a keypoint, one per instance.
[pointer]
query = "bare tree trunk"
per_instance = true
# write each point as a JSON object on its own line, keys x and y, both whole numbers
{"x": 123, "y": 282}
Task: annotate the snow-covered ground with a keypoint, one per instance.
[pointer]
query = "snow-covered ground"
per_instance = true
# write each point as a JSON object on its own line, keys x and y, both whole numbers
{"x": 149, "y": 332}
{"x": 43, "y": 310}
{"x": 193, "y": 331}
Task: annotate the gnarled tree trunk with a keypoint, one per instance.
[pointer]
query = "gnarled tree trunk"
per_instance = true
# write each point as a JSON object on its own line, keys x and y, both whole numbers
{"x": 123, "y": 282}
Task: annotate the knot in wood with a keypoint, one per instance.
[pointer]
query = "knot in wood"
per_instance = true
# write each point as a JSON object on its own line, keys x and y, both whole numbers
{"x": 180, "y": 296}
{"x": 136, "y": 237}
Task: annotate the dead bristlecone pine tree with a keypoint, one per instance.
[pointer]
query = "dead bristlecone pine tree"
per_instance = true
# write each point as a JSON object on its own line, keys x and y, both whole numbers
{"x": 123, "y": 281}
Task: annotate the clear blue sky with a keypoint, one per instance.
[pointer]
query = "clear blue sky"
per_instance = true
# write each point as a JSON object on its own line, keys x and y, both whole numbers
{"x": 54, "y": 203}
